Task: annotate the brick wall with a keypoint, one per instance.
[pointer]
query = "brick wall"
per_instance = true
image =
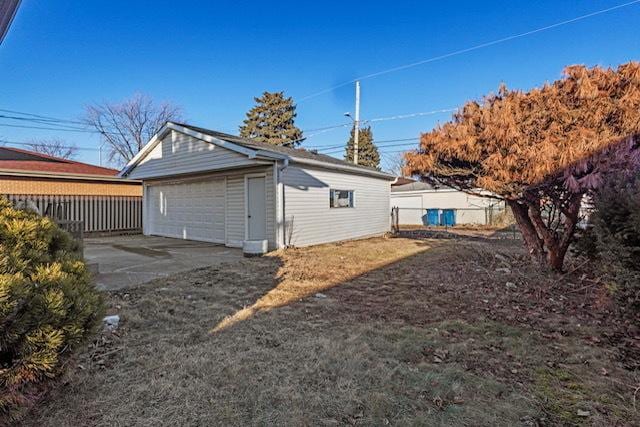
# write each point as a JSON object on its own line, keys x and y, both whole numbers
{"x": 67, "y": 187}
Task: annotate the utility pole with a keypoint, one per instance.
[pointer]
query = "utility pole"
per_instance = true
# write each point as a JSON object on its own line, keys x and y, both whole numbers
{"x": 356, "y": 132}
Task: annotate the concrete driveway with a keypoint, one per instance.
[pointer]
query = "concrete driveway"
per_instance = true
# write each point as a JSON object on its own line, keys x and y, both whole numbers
{"x": 125, "y": 261}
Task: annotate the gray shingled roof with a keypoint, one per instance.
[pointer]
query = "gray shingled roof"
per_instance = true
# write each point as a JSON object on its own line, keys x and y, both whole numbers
{"x": 413, "y": 186}
{"x": 278, "y": 149}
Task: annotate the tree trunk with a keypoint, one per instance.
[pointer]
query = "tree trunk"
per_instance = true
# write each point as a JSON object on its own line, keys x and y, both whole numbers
{"x": 546, "y": 246}
{"x": 531, "y": 239}
{"x": 555, "y": 257}
{"x": 571, "y": 214}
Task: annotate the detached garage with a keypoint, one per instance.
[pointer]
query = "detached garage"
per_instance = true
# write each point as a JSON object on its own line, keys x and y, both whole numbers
{"x": 205, "y": 185}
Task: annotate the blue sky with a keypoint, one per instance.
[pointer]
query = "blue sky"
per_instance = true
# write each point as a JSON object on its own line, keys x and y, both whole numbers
{"x": 212, "y": 58}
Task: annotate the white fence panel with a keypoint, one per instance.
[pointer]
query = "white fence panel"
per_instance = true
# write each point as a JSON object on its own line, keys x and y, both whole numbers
{"x": 98, "y": 213}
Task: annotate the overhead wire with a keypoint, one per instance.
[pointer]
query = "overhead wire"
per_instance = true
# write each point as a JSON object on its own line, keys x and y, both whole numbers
{"x": 30, "y": 144}
{"x": 468, "y": 49}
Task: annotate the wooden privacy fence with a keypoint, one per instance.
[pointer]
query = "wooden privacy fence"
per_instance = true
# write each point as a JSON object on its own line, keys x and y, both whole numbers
{"x": 97, "y": 213}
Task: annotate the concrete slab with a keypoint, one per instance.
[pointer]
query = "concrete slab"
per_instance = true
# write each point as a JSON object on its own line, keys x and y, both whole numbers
{"x": 125, "y": 261}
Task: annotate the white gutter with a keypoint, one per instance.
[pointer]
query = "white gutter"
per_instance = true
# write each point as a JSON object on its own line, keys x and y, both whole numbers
{"x": 347, "y": 168}
{"x": 281, "y": 193}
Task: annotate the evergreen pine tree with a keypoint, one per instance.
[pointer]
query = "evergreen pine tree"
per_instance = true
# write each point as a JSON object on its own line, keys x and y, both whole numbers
{"x": 271, "y": 120}
{"x": 48, "y": 305}
{"x": 368, "y": 154}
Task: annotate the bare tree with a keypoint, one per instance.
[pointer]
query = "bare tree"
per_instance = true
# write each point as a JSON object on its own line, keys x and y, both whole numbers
{"x": 394, "y": 163}
{"x": 54, "y": 147}
{"x": 127, "y": 126}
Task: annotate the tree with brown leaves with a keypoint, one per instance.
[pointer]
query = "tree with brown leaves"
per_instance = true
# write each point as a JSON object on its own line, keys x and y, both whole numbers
{"x": 541, "y": 151}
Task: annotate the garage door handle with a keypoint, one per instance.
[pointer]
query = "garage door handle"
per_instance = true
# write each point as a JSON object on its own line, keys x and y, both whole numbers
{"x": 248, "y": 216}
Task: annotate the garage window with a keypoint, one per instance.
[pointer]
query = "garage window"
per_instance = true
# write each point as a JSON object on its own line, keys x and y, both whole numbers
{"x": 341, "y": 198}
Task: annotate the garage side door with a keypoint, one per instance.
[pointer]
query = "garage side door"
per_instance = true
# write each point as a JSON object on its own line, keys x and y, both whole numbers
{"x": 192, "y": 211}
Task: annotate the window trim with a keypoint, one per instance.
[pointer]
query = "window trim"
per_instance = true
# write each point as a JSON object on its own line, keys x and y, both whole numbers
{"x": 352, "y": 198}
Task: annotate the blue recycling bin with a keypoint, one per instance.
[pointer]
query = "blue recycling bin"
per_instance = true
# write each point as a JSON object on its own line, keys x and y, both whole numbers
{"x": 433, "y": 217}
{"x": 448, "y": 218}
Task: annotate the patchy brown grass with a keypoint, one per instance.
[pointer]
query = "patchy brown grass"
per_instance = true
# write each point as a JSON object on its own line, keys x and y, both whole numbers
{"x": 410, "y": 333}
{"x": 307, "y": 271}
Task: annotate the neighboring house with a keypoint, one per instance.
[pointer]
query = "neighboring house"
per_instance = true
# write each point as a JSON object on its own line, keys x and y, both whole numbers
{"x": 205, "y": 185}
{"x": 71, "y": 191}
{"x": 419, "y": 203}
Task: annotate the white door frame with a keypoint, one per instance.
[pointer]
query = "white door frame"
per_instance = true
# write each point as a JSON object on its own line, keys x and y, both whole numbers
{"x": 226, "y": 211}
{"x": 246, "y": 202}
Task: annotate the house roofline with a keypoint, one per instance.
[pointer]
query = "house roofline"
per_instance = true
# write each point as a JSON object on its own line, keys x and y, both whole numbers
{"x": 250, "y": 153}
{"x": 353, "y": 169}
{"x": 66, "y": 175}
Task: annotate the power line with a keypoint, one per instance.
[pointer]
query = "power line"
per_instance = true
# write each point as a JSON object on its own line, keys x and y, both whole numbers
{"x": 377, "y": 143}
{"x": 50, "y": 128}
{"x": 29, "y": 144}
{"x": 415, "y": 140}
{"x": 63, "y": 128}
{"x": 41, "y": 116}
{"x": 468, "y": 49}
{"x": 408, "y": 116}
{"x": 408, "y": 145}
{"x": 52, "y": 121}
{"x": 396, "y": 117}
{"x": 328, "y": 127}
{"x": 41, "y": 121}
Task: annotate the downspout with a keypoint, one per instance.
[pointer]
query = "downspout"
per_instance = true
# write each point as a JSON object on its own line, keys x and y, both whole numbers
{"x": 283, "y": 205}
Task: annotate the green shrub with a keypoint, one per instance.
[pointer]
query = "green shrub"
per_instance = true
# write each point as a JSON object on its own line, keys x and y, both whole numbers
{"x": 48, "y": 305}
{"x": 616, "y": 233}
{"x": 613, "y": 240}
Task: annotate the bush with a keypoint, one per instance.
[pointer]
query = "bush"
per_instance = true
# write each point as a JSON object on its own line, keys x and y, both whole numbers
{"x": 616, "y": 235}
{"x": 613, "y": 239}
{"x": 48, "y": 305}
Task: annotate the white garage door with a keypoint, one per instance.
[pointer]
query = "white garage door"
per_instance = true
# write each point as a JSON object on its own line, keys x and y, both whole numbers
{"x": 193, "y": 210}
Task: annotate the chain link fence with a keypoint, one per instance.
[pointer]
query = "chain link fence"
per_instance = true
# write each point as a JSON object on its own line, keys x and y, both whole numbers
{"x": 491, "y": 221}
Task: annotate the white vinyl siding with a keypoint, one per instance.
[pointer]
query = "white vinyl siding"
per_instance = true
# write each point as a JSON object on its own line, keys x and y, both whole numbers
{"x": 309, "y": 218}
{"x": 184, "y": 162}
{"x": 232, "y": 208}
{"x": 235, "y": 210}
{"x": 178, "y": 154}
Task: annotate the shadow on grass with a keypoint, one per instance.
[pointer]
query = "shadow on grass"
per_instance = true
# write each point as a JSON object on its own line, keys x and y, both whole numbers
{"x": 509, "y": 232}
{"x": 324, "y": 268}
{"x": 440, "y": 308}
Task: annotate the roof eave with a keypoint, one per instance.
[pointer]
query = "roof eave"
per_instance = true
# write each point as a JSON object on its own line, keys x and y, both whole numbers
{"x": 344, "y": 168}
{"x": 251, "y": 154}
{"x": 65, "y": 175}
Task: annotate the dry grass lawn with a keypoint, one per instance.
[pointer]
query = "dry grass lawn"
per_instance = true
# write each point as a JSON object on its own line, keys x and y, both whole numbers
{"x": 407, "y": 332}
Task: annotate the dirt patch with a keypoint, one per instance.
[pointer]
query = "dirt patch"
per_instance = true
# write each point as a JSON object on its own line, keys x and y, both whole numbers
{"x": 459, "y": 232}
{"x": 420, "y": 332}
